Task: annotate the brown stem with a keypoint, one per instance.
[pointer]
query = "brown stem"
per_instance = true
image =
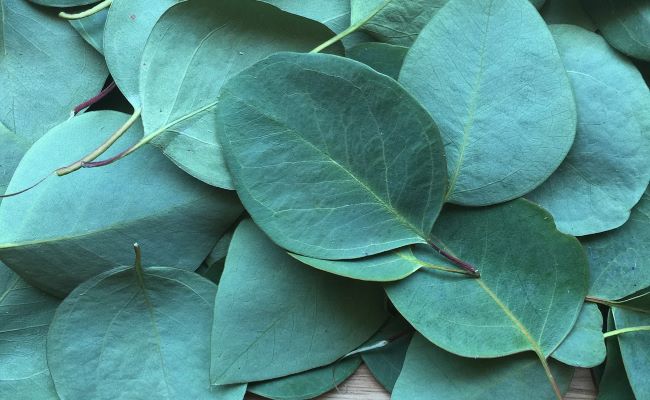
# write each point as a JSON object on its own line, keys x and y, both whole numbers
{"x": 4, "y": 196}
{"x": 455, "y": 260}
{"x": 95, "y": 99}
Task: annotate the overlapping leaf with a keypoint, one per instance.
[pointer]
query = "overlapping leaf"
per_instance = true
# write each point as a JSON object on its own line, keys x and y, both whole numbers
{"x": 91, "y": 29}
{"x": 585, "y": 345}
{"x": 384, "y": 58}
{"x": 567, "y": 12}
{"x": 635, "y": 349}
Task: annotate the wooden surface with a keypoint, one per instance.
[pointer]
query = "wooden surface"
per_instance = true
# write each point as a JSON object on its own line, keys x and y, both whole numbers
{"x": 362, "y": 386}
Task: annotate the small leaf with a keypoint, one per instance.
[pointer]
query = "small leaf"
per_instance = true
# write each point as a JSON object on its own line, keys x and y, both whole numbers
{"x": 585, "y": 345}
{"x": 614, "y": 384}
{"x": 275, "y": 316}
{"x": 381, "y": 57}
{"x": 347, "y": 153}
{"x": 635, "y": 349}
{"x": 139, "y": 338}
{"x": 487, "y": 71}
{"x": 91, "y": 29}
{"x": 433, "y": 374}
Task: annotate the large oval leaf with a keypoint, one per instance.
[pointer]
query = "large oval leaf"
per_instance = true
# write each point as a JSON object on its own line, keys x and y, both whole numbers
{"x": 138, "y": 336}
{"x": 324, "y": 151}
{"x": 635, "y": 349}
{"x": 430, "y": 373}
{"x": 533, "y": 282}
{"x": 585, "y": 345}
{"x": 620, "y": 259}
{"x": 607, "y": 169}
{"x": 624, "y": 23}
{"x": 71, "y": 228}
{"x": 218, "y": 40}
{"x": 25, "y": 315}
{"x": 300, "y": 318}
{"x": 488, "y": 71}
{"x": 91, "y": 29}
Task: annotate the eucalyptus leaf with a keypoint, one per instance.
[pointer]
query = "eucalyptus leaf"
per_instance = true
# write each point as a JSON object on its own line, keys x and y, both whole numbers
{"x": 25, "y": 315}
{"x": 13, "y": 147}
{"x": 488, "y": 71}
{"x": 533, "y": 282}
{"x": 381, "y": 57}
{"x": 624, "y": 23}
{"x": 585, "y": 345}
{"x": 567, "y": 12}
{"x": 229, "y": 392}
{"x": 619, "y": 259}
{"x": 363, "y": 156}
{"x": 142, "y": 335}
{"x": 211, "y": 42}
{"x": 538, "y": 3}
{"x": 433, "y": 374}
{"x": 386, "y": 363}
{"x": 607, "y": 169}
{"x": 213, "y": 266}
{"x": 614, "y": 384}
{"x": 91, "y": 29}
{"x": 71, "y": 228}
{"x": 275, "y": 316}
{"x": 635, "y": 349}
{"x": 309, "y": 384}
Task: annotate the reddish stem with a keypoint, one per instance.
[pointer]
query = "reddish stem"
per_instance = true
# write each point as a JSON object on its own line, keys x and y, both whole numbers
{"x": 95, "y": 99}
{"x": 455, "y": 260}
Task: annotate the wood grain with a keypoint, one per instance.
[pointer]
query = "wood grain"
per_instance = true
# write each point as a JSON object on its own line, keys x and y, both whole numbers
{"x": 362, "y": 386}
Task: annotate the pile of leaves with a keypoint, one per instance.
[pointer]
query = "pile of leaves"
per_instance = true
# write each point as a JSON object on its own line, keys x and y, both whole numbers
{"x": 454, "y": 192}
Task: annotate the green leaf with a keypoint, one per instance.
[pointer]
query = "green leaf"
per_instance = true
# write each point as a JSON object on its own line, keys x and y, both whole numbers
{"x": 213, "y": 266}
{"x": 635, "y": 349}
{"x": 12, "y": 149}
{"x": 216, "y": 41}
{"x": 134, "y": 334}
{"x": 128, "y": 26}
{"x": 385, "y": 363}
{"x": 229, "y": 392}
{"x": 567, "y": 12}
{"x": 349, "y": 152}
{"x": 71, "y": 228}
{"x": 309, "y": 384}
{"x": 335, "y": 14}
{"x": 614, "y": 384}
{"x": 619, "y": 259}
{"x": 487, "y": 71}
{"x": 25, "y": 314}
{"x": 538, "y": 3}
{"x": 585, "y": 346}
{"x": 91, "y": 29}
{"x": 601, "y": 179}
{"x": 275, "y": 316}
{"x": 433, "y": 374}
{"x": 533, "y": 282}
{"x": 399, "y": 22}
{"x": 381, "y": 57}
{"x": 624, "y": 23}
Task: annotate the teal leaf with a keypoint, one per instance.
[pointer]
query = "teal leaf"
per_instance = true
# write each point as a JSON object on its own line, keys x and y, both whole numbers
{"x": 134, "y": 334}
{"x": 12, "y": 149}
{"x": 635, "y": 349}
{"x": 91, "y": 29}
{"x": 229, "y": 392}
{"x": 308, "y": 384}
{"x": 362, "y": 157}
{"x": 538, "y": 3}
{"x": 213, "y": 266}
{"x": 614, "y": 384}
{"x": 431, "y": 373}
{"x": 25, "y": 315}
{"x": 69, "y": 229}
{"x": 487, "y": 71}
{"x": 607, "y": 169}
{"x": 386, "y": 363}
{"x": 624, "y": 23}
{"x": 620, "y": 260}
{"x": 381, "y": 57}
{"x": 275, "y": 316}
{"x": 533, "y": 282}
{"x": 567, "y": 12}
{"x": 585, "y": 346}
{"x": 335, "y": 14}
{"x": 216, "y": 41}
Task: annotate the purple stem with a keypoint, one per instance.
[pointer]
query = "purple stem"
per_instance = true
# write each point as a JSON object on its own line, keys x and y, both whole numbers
{"x": 455, "y": 260}
{"x": 95, "y": 99}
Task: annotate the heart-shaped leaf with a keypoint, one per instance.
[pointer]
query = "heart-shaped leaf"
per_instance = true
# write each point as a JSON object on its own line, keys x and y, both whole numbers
{"x": 275, "y": 316}
{"x": 607, "y": 169}
{"x": 381, "y": 57}
{"x": 72, "y": 228}
{"x": 585, "y": 345}
{"x": 487, "y": 71}
{"x": 324, "y": 150}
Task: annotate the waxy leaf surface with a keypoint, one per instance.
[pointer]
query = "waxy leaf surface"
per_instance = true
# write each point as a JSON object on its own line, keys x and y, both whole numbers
{"x": 69, "y": 229}
{"x": 381, "y": 57}
{"x": 533, "y": 282}
{"x": 585, "y": 345}
{"x": 607, "y": 169}
{"x": 135, "y": 337}
{"x": 25, "y": 315}
{"x": 431, "y": 373}
{"x": 91, "y": 29}
{"x": 620, "y": 259}
{"x": 211, "y": 42}
{"x": 491, "y": 76}
{"x": 324, "y": 150}
{"x": 635, "y": 349}
{"x": 275, "y": 316}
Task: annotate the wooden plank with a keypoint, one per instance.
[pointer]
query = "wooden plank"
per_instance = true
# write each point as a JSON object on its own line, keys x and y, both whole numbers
{"x": 362, "y": 386}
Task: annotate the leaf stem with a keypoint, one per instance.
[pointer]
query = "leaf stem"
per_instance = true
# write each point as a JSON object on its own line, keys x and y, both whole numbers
{"x": 549, "y": 375}
{"x": 351, "y": 29}
{"x": 445, "y": 269}
{"x": 626, "y": 330}
{"x": 139, "y": 272}
{"x": 4, "y": 196}
{"x": 93, "y": 10}
{"x": 94, "y": 99}
{"x": 457, "y": 261}
{"x": 618, "y": 304}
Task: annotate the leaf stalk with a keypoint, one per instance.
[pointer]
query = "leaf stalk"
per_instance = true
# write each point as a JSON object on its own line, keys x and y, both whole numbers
{"x": 91, "y": 11}
{"x": 455, "y": 260}
{"x": 626, "y": 330}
